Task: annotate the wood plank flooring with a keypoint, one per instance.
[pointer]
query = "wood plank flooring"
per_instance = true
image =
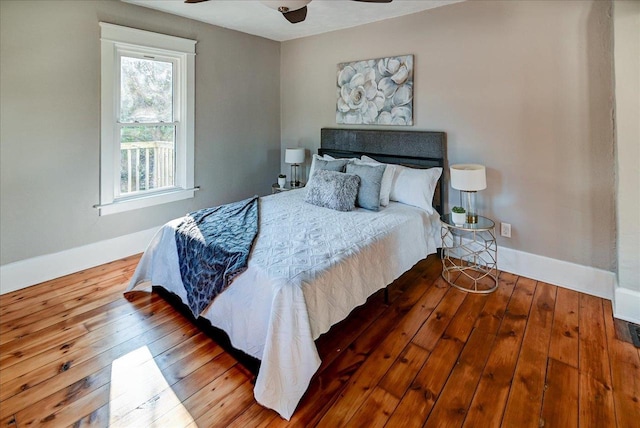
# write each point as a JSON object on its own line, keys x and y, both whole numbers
{"x": 75, "y": 352}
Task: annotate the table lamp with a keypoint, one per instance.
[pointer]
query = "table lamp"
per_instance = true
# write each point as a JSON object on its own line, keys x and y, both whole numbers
{"x": 294, "y": 157}
{"x": 468, "y": 178}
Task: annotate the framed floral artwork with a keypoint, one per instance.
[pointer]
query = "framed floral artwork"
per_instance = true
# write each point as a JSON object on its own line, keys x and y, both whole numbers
{"x": 376, "y": 92}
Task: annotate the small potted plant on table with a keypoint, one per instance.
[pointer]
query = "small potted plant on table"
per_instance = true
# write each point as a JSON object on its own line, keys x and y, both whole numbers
{"x": 458, "y": 215}
{"x": 282, "y": 180}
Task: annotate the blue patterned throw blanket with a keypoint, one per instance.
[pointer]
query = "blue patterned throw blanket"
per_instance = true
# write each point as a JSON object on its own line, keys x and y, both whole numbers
{"x": 213, "y": 247}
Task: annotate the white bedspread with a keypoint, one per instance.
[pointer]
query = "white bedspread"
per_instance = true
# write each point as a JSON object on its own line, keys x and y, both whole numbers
{"x": 308, "y": 269}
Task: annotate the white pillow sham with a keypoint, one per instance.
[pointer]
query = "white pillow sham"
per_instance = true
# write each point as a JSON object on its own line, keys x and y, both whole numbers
{"x": 387, "y": 177}
{"x": 415, "y": 187}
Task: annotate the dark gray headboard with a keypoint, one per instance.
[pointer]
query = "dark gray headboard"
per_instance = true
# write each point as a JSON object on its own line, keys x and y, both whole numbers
{"x": 422, "y": 149}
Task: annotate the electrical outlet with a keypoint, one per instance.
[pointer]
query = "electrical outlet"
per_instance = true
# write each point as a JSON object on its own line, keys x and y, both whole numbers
{"x": 505, "y": 230}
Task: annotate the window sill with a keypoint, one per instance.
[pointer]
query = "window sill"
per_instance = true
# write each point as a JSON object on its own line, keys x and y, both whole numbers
{"x": 123, "y": 205}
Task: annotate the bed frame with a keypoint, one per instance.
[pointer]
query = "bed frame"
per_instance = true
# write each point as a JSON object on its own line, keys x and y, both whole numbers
{"x": 420, "y": 149}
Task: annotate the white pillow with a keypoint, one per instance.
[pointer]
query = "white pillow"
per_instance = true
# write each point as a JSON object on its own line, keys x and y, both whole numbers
{"x": 415, "y": 187}
{"x": 387, "y": 177}
{"x": 312, "y": 168}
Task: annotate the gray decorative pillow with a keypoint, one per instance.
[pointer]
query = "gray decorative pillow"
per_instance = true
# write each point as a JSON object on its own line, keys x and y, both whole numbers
{"x": 370, "y": 184}
{"x": 331, "y": 189}
{"x": 326, "y": 165}
{"x": 331, "y": 165}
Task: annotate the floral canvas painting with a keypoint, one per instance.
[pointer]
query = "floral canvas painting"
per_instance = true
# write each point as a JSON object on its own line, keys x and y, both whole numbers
{"x": 376, "y": 91}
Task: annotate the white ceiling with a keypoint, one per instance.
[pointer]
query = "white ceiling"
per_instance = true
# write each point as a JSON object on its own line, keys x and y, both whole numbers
{"x": 253, "y": 17}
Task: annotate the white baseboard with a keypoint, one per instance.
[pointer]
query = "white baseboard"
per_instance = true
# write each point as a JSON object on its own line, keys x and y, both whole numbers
{"x": 626, "y": 305}
{"x": 585, "y": 279}
{"x": 24, "y": 273}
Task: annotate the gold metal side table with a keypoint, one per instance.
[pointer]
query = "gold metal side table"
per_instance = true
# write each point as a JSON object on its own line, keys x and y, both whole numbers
{"x": 471, "y": 250}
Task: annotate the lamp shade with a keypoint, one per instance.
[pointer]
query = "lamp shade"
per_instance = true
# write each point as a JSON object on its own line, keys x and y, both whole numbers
{"x": 294, "y": 155}
{"x": 468, "y": 177}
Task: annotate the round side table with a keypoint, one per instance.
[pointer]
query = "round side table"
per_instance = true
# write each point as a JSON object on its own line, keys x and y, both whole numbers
{"x": 470, "y": 249}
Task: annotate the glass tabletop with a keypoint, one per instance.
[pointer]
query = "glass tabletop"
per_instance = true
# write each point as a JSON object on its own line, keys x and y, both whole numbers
{"x": 287, "y": 186}
{"x": 482, "y": 224}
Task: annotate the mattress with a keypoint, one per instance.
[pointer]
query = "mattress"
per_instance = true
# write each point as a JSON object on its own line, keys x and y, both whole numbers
{"x": 308, "y": 269}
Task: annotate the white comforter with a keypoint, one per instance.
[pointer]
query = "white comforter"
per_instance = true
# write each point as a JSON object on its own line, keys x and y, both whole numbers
{"x": 308, "y": 269}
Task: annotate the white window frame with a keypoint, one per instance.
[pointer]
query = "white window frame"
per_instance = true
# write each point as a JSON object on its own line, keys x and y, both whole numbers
{"x": 117, "y": 41}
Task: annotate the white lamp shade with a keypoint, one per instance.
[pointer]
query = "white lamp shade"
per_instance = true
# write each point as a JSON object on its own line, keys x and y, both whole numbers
{"x": 294, "y": 155}
{"x": 468, "y": 177}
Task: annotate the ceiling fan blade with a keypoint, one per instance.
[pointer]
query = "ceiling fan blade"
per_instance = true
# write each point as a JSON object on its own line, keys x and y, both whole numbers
{"x": 194, "y": 1}
{"x": 296, "y": 16}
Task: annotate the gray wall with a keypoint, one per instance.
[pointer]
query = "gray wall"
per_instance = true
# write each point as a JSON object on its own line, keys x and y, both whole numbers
{"x": 50, "y": 121}
{"x": 523, "y": 87}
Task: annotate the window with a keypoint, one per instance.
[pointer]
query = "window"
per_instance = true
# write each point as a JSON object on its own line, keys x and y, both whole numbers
{"x": 147, "y": 148}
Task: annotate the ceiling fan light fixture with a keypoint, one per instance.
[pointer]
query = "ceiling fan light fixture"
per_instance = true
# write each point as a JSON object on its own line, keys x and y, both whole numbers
{"x": 295, "y": 11}
{"x": 285, "y": 6}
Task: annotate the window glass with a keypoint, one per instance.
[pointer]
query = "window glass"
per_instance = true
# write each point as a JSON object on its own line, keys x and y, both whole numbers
{"x": 147, "y": 158}
{"x": 146, "y": 90}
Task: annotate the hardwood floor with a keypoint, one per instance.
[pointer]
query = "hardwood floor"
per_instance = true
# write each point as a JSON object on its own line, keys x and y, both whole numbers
{"x": 75, "y": 352}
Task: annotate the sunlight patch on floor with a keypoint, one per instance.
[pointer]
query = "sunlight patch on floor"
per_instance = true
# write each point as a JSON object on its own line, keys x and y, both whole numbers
{"x": 141, "y": 396}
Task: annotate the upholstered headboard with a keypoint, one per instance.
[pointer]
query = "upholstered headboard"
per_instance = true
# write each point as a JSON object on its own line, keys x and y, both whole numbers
{"x": 419, "y": 149}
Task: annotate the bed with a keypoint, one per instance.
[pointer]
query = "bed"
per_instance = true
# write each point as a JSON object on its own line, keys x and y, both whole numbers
{"x": 311, "y": 266}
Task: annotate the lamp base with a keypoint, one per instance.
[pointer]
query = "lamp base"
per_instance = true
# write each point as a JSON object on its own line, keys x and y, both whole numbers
{"x": 295, "y": 182}
{"x": 469, "y": 205}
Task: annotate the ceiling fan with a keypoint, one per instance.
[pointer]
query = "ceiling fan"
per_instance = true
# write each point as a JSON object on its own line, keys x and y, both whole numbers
{"x": 294, "y": 11}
